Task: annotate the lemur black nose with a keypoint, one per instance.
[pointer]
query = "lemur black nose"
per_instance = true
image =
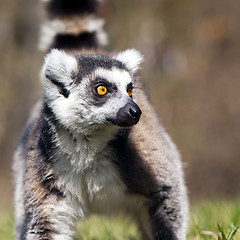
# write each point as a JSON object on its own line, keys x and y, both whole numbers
{"x": 127, "y": 116}
{"x": 135, "y": 111}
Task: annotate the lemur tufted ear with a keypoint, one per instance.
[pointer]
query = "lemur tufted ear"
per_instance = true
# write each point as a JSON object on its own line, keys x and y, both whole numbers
{"x": 131, "y": 58}
{"x": 59, "y": 68}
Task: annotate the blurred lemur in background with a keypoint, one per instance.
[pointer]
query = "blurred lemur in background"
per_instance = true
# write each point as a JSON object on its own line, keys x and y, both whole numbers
{"x": 93, "y": 144}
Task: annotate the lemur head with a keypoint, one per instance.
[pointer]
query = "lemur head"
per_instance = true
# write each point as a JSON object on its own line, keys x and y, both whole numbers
{"x": 91, "y": 89}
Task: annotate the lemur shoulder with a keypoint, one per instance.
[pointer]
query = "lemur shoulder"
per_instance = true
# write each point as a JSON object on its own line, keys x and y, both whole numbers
{"x": 93, "y": 144}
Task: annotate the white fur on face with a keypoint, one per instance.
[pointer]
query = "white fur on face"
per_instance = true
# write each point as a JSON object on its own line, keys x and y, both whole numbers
{"x": 80, "y": 109}
{"x": 116, "y": 76}
{"x": 78, "y": 112}
{"x": 121, "y": 79}
{"x": 58, "y": 66}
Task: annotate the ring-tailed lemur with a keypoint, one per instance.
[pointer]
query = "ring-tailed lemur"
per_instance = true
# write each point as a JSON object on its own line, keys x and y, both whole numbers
{"x": 83, "y": 151}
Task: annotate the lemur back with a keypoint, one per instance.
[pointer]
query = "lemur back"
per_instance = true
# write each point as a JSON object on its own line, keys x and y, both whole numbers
{"x": 93, "y": 144}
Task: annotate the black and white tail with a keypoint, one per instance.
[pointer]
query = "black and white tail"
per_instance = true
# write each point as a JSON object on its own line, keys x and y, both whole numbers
{"x": 72, "y": 25}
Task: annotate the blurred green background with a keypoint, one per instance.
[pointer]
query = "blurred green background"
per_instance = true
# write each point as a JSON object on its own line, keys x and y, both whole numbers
{"x": 191, "y": 72}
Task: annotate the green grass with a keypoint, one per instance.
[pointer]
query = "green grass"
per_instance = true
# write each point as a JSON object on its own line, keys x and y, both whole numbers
{"x": 99, "y": 228}
{"x": 215, "y": 220}
{"x": 209, "y": 221}
{"x": 6, "y": 226}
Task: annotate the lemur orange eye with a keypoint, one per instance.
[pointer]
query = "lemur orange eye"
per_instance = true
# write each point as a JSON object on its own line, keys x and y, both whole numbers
{"x": 102, "y": 90}
{"x": 129, "y": 92}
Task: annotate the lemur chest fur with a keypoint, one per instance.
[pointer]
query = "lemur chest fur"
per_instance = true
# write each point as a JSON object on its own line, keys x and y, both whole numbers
{"x": 85, "y": 170}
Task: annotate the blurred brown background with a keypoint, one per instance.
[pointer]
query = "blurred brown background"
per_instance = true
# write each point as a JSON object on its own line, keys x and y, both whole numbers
{"x": 191, "y": 71}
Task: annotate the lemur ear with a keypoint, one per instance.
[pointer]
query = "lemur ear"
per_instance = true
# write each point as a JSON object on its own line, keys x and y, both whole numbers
{"x": 131, "y": 58}
{"x": 59, "y": 68}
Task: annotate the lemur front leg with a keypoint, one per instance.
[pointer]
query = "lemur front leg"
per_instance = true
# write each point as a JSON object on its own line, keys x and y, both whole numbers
{"x": 52, "y": 219}
{"x": 161, "y": 216}
{"x": 168, "y": 220}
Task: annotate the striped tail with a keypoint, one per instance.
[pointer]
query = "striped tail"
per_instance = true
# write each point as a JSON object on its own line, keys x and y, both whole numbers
{"x": 72, "y": 25}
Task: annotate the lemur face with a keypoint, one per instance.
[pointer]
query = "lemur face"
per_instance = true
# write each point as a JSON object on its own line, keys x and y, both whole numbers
{"x": 91, "y": 89}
